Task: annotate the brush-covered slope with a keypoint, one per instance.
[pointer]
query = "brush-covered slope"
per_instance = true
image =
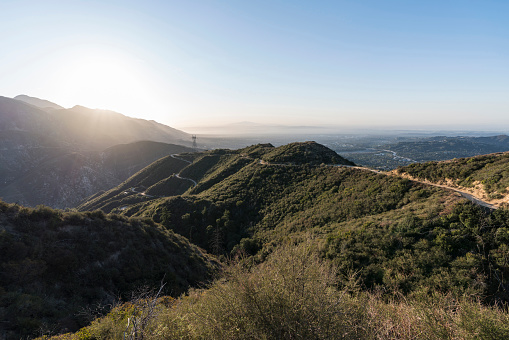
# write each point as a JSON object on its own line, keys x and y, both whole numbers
{"x": 404, "y": 236}
{"x": 62, "y": 178}
{"x": 486, "y": 176}
{"x": 376, "y": 232}
{"x": 124, "y": 160}
{"x": 294, "y": 294}
{"x": 193, "y": 173}
{"x": 389, "y": 232}
{"x": 153, "y": 178}
{"x": 310, "y": 153}
{"x": 55, "y": 266}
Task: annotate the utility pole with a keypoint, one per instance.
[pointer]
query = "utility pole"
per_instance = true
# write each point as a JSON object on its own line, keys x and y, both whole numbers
{"x": 195, "y": 146}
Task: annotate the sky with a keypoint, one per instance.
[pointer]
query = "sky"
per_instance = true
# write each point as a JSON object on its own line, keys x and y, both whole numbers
{"x": 371, "y": 63}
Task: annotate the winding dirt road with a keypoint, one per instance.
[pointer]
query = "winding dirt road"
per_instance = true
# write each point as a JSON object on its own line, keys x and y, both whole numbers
{"x": 463, "y": 193}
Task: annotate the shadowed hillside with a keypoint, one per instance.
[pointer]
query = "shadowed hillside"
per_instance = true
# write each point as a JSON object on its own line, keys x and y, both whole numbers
{"x": 80, "y": 126}
{"x": 57, "y": 157}
{"x": 55, "y": 265}
{"x": 62, "y": 178}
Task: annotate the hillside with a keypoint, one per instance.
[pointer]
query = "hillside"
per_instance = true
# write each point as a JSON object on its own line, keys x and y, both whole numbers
{"x": 243, "y": 203}
{"x": 393, "y": 233}
{"x": 133, "y": 189}
{"x": 81, "y": 127}
{"x": 486, "y": 176}
{"x": 58, "y": 157}
{"x": 55, "y": 265}
{"x": 309, "y": 153}
{"x": 394, "y": 257}
{"x": 388, "y": 243}
{"x": 175, "y": 175}
{"x": 99, "y": 129}
{"x": 61, "y": 178}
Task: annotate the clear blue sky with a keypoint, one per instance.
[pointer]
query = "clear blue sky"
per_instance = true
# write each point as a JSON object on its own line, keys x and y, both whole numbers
{"x": 360, "y": 62}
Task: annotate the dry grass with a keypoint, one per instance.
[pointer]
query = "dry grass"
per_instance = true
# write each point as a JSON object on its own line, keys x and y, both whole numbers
{"x": 293, "y": 296}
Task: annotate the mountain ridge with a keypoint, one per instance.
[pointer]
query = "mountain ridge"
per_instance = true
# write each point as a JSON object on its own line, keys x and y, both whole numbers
{"x": 41, "y": 103}
{"x": 39, "y": 161}
{"x": 208, "y": 168}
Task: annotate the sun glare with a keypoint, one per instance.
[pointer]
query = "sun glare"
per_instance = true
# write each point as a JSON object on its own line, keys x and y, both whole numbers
{"x": 105, "y": 80}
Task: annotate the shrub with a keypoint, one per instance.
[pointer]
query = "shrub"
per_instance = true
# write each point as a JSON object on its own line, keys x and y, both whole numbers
{"x": 290, "y": 296}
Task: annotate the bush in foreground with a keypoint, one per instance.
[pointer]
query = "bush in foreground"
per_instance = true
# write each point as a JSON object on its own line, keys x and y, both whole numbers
{"x": 293, "y": 296}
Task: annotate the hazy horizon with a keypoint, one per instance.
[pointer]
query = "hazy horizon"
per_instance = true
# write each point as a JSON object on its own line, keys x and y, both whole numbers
{"x": 251, "y": 128}
{"x": 366, "y": 64}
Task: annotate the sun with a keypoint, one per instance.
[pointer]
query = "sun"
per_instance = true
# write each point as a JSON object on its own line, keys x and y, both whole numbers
{"x": 106, "y": 80}
{"x": 103, "y": 76}
{"x": 100, "y": 78}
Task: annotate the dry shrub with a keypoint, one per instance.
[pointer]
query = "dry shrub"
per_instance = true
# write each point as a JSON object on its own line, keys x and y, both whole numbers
{"x": 290, "y": 296}
{"x": 293, "y": 295}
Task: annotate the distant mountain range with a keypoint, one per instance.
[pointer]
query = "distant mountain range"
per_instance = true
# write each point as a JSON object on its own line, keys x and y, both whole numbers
{"x": 41, "y": 103}
{"x": 257, "y": 129}
{"x": 80, "y": 126}
{"x": 57, "y": 157}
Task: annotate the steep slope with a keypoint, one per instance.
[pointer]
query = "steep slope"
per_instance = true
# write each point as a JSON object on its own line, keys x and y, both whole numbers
{"x": 22, "y": 151}
{"x": 133, "y": 189}
{"x": 194, "y": 173}
{"x": 16, "y": 115}
{"x": 61, "y": 178}
{"x": 58, "y": 157}
{"x": 485, "y": 177}
{"x": 56, "y": 265}
{"x": 80, "y": 126}
{"x": 124, "y": 160}
{"x": 60, "y": 181}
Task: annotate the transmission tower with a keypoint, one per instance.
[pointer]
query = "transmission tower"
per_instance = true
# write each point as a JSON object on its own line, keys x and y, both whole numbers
{"x": 195, "y": 146}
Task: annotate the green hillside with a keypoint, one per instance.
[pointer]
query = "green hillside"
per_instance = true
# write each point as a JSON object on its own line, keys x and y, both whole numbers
{"x": 128, "y": 192}
{"x": 294, "y": 295}
{"x": 391, "y": 232}
{"x": 372, "y": 224}
{"x": 310, "y": 153}
{"x": 207, "y": 169}
{"x": 55, "y": 266}
{"x": 314, "y": 250}
{"x": 488, "y": 175}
